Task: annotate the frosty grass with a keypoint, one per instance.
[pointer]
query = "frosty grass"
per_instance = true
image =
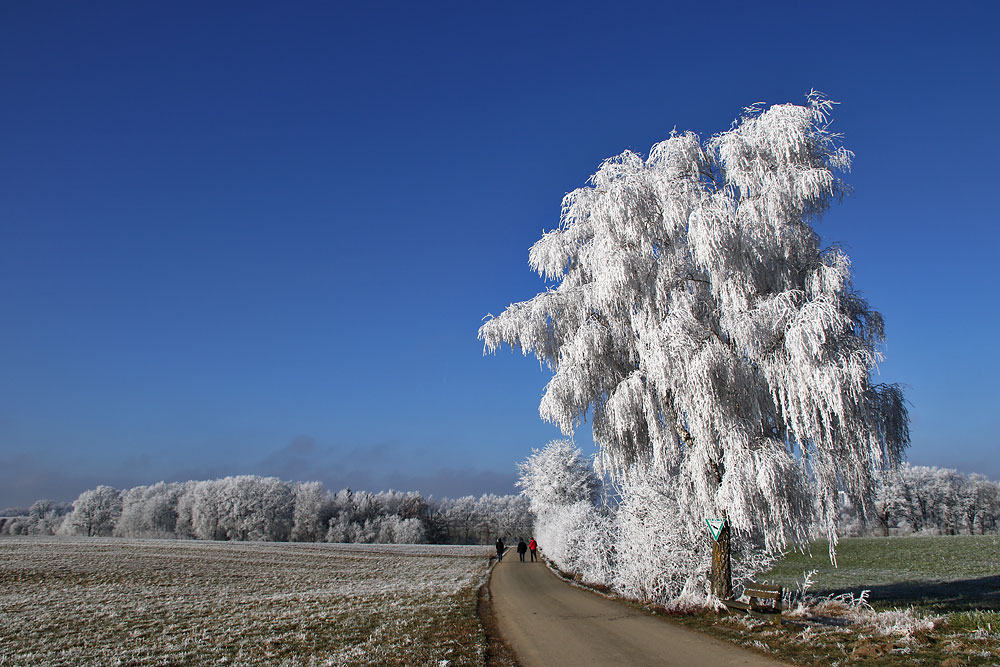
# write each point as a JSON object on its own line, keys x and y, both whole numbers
{"x": 145, "y": 602}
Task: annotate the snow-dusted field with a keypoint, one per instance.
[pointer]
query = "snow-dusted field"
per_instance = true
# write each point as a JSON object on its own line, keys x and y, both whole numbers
{"x": 114, "y": 601}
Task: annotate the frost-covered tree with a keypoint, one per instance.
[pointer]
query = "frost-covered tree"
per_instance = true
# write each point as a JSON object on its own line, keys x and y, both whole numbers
{"x": 269, "y": 509}
{"x": 697, "y": 317}
{"x": 461, "y": 520}
{"x": 394, "y": 529}
{"x": 472, "y": 520}
{"x": 557, "y": 475}
{"x": 255, "y": 508}
{"x": 46, "y": 516}
{"x": 313, "y": 510}
{"x": 972, "y": 501}
{"x": 199, "y": 510}
{"x": 149, "y": 511}
{"x": 661, "y": 550}
{"x": 562, "y": 488}
{"x": 988, "y": 499}
{"x": 890, "y": 502}
{"x": 930, "y": 500}
{"x": 95, "y": 512}
{"x": 507, "y": 515}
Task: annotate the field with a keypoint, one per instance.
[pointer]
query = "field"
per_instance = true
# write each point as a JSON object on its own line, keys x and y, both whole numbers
{"x": 941, "y": 574}
{"x": 889, "y": 601}
{"x": 79, "y": 601}
{"x": 149, "y": 602}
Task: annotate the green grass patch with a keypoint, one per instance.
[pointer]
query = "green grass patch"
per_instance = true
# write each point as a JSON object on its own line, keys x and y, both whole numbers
{"x": 889, "y": 560}
{"x": 939, "y": 574}
{"x": 933, "y": 601}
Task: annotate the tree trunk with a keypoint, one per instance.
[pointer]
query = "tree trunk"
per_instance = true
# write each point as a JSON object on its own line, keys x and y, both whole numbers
{"x": 721, "y": 576}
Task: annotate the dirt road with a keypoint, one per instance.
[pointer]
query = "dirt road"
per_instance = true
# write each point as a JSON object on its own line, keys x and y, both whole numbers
{"x": 550, "y": 623}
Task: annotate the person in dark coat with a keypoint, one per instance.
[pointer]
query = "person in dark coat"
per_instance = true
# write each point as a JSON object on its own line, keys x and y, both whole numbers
{"x": 521, "y": 548}
{"x": 533, "y": 546}
{"x": 499, "y": 549}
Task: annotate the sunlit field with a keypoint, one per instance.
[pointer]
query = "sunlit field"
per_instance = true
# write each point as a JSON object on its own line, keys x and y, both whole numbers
{"x": 146, "y": 602}
{"x": 945, "y": 573}
{"x": 890, "y": 601}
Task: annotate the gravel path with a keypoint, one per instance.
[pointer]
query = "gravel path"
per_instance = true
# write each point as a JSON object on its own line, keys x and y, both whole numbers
{"x": 550, "y": 623}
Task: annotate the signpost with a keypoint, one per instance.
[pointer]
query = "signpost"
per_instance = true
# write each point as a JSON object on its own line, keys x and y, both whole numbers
{"x": 715, "y": 525}
{"x": 721, "y": 576}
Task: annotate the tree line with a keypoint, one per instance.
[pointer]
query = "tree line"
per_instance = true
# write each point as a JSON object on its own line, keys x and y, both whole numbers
{"x": 249, "y": 507}
{"x": 928, "y": 500}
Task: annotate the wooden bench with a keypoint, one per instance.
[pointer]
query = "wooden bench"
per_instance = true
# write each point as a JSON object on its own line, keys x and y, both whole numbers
{"x": 764, "y": 601}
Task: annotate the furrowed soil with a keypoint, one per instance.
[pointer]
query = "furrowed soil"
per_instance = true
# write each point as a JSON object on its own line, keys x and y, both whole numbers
{"x": 143, "y": 602}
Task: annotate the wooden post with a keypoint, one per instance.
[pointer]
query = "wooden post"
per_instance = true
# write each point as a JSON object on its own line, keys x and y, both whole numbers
{"x": 722, "y": 572}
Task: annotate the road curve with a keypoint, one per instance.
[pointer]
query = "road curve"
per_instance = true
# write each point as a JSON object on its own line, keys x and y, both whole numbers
{"x": 549, "y": 623}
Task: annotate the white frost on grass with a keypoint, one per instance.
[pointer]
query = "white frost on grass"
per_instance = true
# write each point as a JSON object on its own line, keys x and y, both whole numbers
{"x": 903, "y": 623}
{"x": 460, "y": 550}
{"x": 855, "y": 611}
{"x": 96, "y": 601}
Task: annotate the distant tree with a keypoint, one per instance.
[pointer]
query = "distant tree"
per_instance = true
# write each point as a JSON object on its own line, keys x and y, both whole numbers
{"x": 463, "y": 521}
{"x": 562, "y": 487}
{"x": 45, "y": 517}
{"x": 413, "y": 506}
{"x": 890, "y": 502}
{"x": 713, "y": 340}
{"x": 249, "y": 507}
{"x": 149, "y": 511}
{"x": 198, "y": 511}
{"x": 931, "y": 500}
{"x": 255, "y": 508}
{"x": 313, "y": 510}
{"x": 947, "y": 487}
{"x": 394, "y": 529}
{"x": 557, "y": 475}
{"x": 973, "y": 502}
{"x": 988, "y": 499}
{"x": 509, "y": 515}
{"x": 95, "y": 512}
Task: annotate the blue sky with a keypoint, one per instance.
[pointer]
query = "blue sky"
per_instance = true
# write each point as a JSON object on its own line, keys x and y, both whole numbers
{"x": 260, "y": 238}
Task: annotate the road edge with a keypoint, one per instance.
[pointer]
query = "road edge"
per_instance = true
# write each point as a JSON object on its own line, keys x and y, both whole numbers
{"x": 498, "y": 652}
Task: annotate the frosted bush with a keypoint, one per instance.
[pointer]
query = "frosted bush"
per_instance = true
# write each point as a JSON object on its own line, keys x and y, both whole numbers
{"x": 596, "y": 546}
{"x": 565, "y": 531}
{"x": 663, "y": 547}
{"x": 650, "y": 545}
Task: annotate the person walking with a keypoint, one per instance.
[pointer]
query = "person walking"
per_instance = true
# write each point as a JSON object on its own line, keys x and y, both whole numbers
{"x": 499, "y": 549}
{"x": 521, "y": 548}
{"x": 533, "y": 546}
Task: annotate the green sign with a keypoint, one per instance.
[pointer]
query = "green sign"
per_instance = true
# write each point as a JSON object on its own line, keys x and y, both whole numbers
{"x": 715, "y": 525}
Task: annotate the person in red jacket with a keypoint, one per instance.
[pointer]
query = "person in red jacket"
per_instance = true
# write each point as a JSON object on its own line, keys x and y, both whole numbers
{"x": 532, "y": 547}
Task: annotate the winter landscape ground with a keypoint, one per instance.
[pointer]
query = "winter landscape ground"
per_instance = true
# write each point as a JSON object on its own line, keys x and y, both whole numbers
{"x": 930, "y": 600}
{"x": 73, "y": 601}
{"x": 939, "y": 573}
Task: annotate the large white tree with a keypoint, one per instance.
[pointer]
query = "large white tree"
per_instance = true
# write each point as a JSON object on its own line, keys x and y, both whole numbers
{"x": 698, "y": 321}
